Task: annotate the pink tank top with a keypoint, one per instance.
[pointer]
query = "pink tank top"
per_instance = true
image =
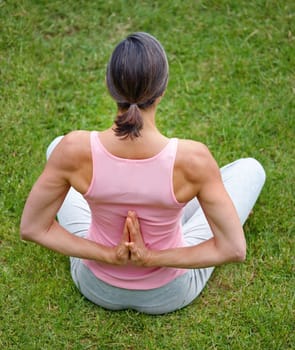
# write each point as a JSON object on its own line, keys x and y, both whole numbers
{"x": 146, "y": 187}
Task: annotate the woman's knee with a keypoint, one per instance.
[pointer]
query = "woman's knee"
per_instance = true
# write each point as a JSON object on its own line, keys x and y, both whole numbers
{"x": 244, "y": 170}
{"x": 244, "y": 180}
{"x": 253, "y": 167}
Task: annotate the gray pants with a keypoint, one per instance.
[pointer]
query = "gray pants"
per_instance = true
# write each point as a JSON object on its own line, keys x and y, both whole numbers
{"x": 243, "y": 180}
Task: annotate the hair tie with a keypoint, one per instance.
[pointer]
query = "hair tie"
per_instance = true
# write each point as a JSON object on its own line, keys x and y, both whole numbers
{"x": 133, "y": 105}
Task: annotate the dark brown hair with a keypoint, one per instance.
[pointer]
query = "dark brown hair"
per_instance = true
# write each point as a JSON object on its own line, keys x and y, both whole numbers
{"x": 137, "y": 74}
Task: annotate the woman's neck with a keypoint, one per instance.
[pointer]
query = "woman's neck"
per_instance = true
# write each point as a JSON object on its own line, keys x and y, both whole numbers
{"x": 149, "y": 119}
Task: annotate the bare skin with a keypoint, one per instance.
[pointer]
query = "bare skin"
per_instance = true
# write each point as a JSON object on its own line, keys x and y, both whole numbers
{"x": 196, "y": 174}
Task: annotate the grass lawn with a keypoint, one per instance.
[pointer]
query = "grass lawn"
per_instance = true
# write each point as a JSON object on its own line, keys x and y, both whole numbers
{"x": 232, "y": 86}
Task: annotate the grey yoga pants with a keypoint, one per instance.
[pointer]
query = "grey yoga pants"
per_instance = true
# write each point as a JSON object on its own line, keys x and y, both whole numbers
{"x": 243, "y": 179}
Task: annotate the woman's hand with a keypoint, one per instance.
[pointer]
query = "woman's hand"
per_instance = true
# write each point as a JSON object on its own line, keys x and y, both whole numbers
{"x": 139, "y": 254}
{"x": 121, "y": 251}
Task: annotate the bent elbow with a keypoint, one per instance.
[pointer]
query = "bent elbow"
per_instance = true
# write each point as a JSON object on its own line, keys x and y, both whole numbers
{"x": 235, "y": 253}
{"x": 240, "y": 254}
{"x": 26, "y": 233}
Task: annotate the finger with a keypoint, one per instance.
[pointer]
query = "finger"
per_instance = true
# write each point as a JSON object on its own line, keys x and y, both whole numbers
{"x": 132, "y": 215}
{"x": 132, "y": 230}
{"x": 130, "y": 220}
{"x": 125, "y": 236}
{"x": 135, "y": 222}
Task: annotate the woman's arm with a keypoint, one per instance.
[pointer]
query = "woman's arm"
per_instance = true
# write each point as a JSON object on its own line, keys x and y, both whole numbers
{"x": 228, "y": 241}
{"x": 38, "y": 222}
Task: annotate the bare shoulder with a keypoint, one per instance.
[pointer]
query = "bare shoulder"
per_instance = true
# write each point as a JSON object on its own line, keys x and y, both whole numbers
{"x": 194, "y": 170}
{"x": 188, "y": 147}
{"x": 75, "y": 142}
{"x": 71, "y": 161}
{"x": 73, "y": 149}
{"x": 195, "y": 160}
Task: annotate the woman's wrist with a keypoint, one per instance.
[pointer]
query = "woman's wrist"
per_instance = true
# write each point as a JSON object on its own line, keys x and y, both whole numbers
{"x": 116, "y": 255}
{"x": 153, "y": 258}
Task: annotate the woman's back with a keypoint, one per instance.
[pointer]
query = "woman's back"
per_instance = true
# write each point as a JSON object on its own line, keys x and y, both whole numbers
{"x": 141, "y": 185}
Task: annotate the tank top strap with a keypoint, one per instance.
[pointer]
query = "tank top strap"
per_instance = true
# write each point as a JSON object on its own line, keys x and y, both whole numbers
{"x": 173, "y": 145}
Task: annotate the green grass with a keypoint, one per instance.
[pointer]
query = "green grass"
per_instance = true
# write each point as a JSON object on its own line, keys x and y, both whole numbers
{"x": 232, "y": 86}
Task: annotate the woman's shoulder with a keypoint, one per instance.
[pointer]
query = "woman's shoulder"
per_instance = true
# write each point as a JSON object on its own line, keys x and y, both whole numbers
{"x": 190, "y": 149}
{"x": 76, "y": 141}
{"x": 73, "y": 149}
{"x": 193, "y": 158}
{"x": 76, "y": 136}
{"x": 72, "y": 160}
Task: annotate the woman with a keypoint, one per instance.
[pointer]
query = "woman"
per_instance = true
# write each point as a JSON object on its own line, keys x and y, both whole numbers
{"x": 144, "y": 218}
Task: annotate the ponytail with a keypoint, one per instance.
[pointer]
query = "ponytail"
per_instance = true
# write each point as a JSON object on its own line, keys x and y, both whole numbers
{"x": 129, "y": 123}
{"x": 137, "y": 74}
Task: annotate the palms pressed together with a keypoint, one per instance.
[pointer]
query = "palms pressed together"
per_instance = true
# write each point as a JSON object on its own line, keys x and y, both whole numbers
{"x": 131, "y": 249}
